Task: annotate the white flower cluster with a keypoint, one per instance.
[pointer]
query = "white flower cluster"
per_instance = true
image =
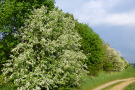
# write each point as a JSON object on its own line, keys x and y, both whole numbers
{"x": 115, "y": 58}
{"x": 49, "y": 55}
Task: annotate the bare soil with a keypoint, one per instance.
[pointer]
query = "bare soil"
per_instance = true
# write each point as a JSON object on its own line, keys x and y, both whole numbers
{"x": 122, "y": 85}
{"x": 117, "y": 87}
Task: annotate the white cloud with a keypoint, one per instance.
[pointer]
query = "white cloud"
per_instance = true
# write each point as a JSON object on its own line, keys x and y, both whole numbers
{"x": 96, "y": 12}
{"x": 127, "y": 18}
{"x": 114, "y": 20}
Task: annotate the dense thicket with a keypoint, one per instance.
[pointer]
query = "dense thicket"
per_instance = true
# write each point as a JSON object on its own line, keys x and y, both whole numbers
{"x": 49, "y": 54}
{"x": 92, "y": 46}
{"x": 12, "y": 16}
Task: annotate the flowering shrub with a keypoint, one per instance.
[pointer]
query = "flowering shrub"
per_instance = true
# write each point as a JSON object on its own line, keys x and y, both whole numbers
{"x": 115, "y": 59}
{"x": 49, "y": 54}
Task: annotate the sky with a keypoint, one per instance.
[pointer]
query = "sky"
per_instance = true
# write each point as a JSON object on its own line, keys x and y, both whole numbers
{"x": 113, "y": 20}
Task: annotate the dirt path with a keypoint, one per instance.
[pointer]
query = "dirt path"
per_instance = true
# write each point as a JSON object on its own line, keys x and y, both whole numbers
{"x": 124, "y": 84}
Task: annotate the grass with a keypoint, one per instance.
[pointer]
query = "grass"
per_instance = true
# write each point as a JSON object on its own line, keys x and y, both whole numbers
{"x": 130, "y": 87}
{"x": 107, "y": 88}
{"x": 88, "y": 83}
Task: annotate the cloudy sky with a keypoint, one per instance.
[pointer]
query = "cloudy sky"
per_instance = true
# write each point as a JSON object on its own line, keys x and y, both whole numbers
{"x": 113, "y": 20}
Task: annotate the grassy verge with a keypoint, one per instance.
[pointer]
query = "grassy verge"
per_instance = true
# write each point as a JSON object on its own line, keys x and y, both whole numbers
{"x": 130, "y": 87}
{"x": 89, "y": 83}
{"x": 109, "y": 87}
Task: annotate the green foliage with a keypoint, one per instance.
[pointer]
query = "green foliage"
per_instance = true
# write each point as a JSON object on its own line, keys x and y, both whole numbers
{"x": 12, "y": 16}
{"x": 14, "y": 12}
{"x": 6, "y": 44}
{"x": 1, "y": 80}
{"x": 49, "y": 54}
{"x": 6, "y": 86}
{"x": 92, "y": 47}
{"x": 107, "y": 66}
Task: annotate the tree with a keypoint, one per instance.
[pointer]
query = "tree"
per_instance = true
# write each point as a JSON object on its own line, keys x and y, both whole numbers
{"x": 115, "y": 59}
{"x": 49, "y": 54}
{"x": 92, "y": 47}
{"x": 13, "y": 14}
{"x": 107, "y": 65}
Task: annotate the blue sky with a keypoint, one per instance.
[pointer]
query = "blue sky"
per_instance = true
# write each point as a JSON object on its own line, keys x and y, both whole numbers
{"x": 113, "y": 20}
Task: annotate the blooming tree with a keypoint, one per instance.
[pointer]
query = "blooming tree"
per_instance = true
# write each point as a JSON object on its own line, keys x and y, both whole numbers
{"x": 115, "y": 59}
{"x": 49, "y": 54}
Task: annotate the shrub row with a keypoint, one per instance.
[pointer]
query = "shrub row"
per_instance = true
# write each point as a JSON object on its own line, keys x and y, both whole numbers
{"x": 55, "y": 51}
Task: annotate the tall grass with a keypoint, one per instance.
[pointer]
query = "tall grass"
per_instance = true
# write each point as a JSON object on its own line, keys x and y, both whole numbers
{"x": 130, "y": 87}
{"x": 90, "y": 82}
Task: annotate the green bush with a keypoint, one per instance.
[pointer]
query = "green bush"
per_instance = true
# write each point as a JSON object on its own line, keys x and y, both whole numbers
{"x": 92, "y": 47}
{"x": 107, "y": 66}
{"x": 49, "y": 54}
{"x": 8, "y": 43}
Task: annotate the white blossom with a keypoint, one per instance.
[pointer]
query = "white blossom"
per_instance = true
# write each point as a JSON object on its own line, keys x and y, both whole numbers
{"x": 115, "y": 58}
{"x": 49, "y": 54}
